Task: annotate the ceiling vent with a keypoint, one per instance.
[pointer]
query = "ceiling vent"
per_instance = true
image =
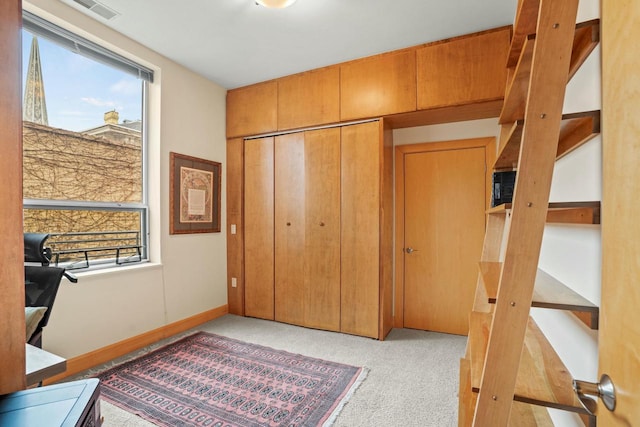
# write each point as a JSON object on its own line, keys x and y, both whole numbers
{"x": 98, "y": 8}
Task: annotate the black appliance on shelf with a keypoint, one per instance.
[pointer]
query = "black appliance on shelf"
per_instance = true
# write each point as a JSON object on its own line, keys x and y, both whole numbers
{"x": 503, "y": 184}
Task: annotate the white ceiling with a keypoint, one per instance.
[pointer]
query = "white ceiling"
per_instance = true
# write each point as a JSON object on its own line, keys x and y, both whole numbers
{"x": 236, "y": 42}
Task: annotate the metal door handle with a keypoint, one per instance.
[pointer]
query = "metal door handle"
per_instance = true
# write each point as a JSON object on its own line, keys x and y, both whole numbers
{"x": 410, "y": 250}
{"x": 604, "y": 390}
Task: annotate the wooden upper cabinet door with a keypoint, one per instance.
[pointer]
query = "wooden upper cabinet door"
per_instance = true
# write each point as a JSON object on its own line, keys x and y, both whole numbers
{"x": 309, "y": 99}
{"x": 464, "y": 70}
{"x": 322, "y": 229}
{"x": 378, "y": 86}
{"x": 258, "y": 228}
{"x": 360, "y": 237}
{"x": 252, "y": 110}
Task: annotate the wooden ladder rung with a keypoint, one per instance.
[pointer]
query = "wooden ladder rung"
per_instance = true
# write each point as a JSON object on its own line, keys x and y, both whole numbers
{"x": 542, "y": 379}
{"x": 562, "y": 213}
{"x": 575, "y": 130}
{"x": 548, "y": 293}
{"x": 586, "y": 38}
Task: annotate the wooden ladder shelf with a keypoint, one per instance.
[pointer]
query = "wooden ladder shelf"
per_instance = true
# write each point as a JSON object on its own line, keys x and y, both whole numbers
{"x": 510, "y": 373}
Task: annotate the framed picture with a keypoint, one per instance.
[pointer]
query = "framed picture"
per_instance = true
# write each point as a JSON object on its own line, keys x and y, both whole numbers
{"x": 194, "y": 195}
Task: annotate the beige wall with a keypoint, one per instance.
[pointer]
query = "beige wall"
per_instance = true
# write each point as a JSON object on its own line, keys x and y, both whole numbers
{"x": 188, "y": 272}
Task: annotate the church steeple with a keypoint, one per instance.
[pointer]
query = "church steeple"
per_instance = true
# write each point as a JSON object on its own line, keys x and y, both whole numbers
{"x": 34, "y": 108}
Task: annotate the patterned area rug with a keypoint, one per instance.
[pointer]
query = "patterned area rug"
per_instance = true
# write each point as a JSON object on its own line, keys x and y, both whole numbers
{"x": 210, "y": 380}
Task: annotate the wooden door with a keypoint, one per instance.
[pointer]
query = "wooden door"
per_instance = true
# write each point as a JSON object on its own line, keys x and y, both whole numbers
{"x": 290, "y": 228}
{"x": 322, "y": 229}
{"x": 258, "y": 228}
{"x": 360, "y": 240}
{"x": 619, "y": 338}
{"x": 444, "y": 227}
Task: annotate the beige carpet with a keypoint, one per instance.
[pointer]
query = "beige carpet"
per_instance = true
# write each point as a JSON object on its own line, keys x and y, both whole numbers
{"x": 413, "y": 378}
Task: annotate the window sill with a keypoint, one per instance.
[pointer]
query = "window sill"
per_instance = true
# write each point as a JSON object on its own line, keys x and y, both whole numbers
{"x": 111, "y": 270}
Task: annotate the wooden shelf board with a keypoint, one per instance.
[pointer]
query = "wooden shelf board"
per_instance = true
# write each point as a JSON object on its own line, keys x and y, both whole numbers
{"x": 542, "y": 380}
{"x": 467, "y": 399}
{"x": 525, "y": 24}
{"x": 524, "y": 415}
{"x": 547, "y": 293}
{"x": 562, "y": 213}
{"x": 575, "y": 130}
{"x": 586, "y": 38}
{"x": 515, "y": 97}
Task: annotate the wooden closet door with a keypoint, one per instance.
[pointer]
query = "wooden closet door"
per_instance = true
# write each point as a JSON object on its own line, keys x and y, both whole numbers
{"x": 259, "y": 228}
{"x": 360, "y": 240}
{"x": 322, "y": 229}
{"x": 289, "y": 228}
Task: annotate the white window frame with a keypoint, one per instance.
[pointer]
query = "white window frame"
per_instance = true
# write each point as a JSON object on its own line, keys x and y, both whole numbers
{"x": 82, "y": 46}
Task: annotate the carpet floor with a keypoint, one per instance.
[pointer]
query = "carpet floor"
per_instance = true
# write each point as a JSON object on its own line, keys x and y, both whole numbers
{"x": 412, "y": 379}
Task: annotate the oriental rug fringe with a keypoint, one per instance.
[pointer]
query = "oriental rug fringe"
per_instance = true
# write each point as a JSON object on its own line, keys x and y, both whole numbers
{"x": 210, "y": 380}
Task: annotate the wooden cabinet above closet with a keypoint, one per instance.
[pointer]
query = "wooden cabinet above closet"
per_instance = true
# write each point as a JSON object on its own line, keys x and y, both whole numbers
{"x": 463, "y": 70}
{"x": 252, "y": 110}
{"x": 378, "y": 86}
{"x": 466, "y": 71}
{"x": 308, "y": 99}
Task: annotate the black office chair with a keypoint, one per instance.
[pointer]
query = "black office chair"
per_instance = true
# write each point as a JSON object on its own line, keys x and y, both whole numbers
{"x": 41, "y": 281}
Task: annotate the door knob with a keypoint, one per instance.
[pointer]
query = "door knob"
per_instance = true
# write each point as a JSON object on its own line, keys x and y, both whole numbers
{"x": 410, "y": 250}
{"x": 605, "y": 390}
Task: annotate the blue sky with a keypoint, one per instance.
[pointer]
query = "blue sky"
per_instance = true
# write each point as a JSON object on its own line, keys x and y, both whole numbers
{"x": 79, "y": 90}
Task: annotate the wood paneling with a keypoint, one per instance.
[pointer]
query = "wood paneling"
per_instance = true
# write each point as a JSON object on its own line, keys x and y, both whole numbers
{"x": 620, "y": 319}
{"x": 322, "y": 244}
{"x": 252, "y": 110}
{"x": 12, "y": 323}
{"x": 378, "y": 86}
{"x": 290, "y": 228}
{"x": 309, "y": 99}
{"x": 259, "y": 228}
{"x": 235, "y": 242}
{"x": 360, "y": 218}
{"x": 463, "y": 70}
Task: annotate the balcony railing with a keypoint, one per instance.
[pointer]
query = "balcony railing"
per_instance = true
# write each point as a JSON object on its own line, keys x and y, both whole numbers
{"x": 78, "y": 250}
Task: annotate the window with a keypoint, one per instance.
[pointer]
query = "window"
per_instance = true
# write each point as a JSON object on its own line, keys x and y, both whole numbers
{"x": 83, "y": 148}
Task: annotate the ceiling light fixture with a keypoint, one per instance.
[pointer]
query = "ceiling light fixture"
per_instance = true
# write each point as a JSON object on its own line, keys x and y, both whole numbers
{"x": 276, "y": 4}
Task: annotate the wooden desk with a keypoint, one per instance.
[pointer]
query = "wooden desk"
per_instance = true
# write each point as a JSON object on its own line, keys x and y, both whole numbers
{"x": 42, "y": 364}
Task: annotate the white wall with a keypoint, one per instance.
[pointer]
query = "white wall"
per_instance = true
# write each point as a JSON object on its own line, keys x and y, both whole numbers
{"x": 571, "y": 253}
{"x": 187, "y": 274}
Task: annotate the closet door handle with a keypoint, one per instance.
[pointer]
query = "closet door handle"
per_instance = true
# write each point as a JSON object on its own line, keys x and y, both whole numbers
{"x": 321, "y": 224}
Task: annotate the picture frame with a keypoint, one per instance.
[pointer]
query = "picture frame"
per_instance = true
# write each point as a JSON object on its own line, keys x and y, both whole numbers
{"x": 194, "y": 195}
